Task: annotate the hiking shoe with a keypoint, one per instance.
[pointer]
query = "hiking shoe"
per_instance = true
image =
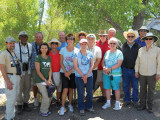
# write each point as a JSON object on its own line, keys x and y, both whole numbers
{"x": 36, "y": 103}
{"x": 125, "y": 104}
{"x": 149, "y": 110}
{"x": 117, "y": 106}
{"x": 43, "y": 114}
{"x": 135, "y": 104}
{"x": 82, "y": 112}
{"x": 19, "y": 110}
{"x": 70, "y": 107}
{"x": 61, "y": 112}
{"x": 106, "y": 105}
{"x": 140, "y": 108}
{"x": 26, "y": 107}
{"x": 91, "y": 110}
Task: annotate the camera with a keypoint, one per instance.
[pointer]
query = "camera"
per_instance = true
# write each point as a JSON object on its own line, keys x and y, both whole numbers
{"x": 25, "y": 66}
{"x": 111, "y": 77}
{"x": 18, "y": 68}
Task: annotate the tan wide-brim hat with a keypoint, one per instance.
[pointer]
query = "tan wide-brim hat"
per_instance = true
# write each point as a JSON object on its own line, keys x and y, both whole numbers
{"x": 150, "y": 35}
{"x": 102, "y": 32}
{"x": 143, "y": 28}
{"x": 131, "y": 31}
{"x": 54, "y": 40}
{"x": 82, "y": 32}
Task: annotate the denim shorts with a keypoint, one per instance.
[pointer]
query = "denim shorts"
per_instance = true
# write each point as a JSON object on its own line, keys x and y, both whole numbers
{"x": 107, "y": 83}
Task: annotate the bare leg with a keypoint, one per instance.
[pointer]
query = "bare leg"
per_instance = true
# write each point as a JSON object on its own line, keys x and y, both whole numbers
{"x": 108, "y": 92}
{"x": 102, "y": 89}
{"x": 70, "y": 95}
{"x": 64, "y": 95}
{"x": 35, "y": 91}
{"x": 117, "y": 94}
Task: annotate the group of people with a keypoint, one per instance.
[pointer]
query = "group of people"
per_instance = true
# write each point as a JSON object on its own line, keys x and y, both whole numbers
{"x": 92, "y": 63}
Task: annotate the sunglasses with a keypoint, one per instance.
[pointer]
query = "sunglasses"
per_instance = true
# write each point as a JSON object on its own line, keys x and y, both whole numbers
{"x": 149, "y": 39}
{"x": 70, "y": 38}
{"x": 142, "y": 30}
{"x": 81, "y": 35}
{"x": 130, "y": 36}
{"x": 112, "y": 43}
{"x": 54, "y": 43}
{"x": 102, "y": 35}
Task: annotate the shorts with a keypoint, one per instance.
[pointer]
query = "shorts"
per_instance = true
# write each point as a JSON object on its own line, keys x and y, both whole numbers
{"x": 66, "y": 83}
{"x": 107, "y": 83}
{"x": 94, "y": 78}
{"x": 100, "y": 76}
{"x": 57, "y": 81}
{"x": 33, "y": 76}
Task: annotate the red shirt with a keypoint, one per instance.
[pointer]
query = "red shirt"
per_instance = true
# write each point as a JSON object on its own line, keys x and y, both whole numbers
{"x": 104, "y": 47}
{"x": 55, "y": 60}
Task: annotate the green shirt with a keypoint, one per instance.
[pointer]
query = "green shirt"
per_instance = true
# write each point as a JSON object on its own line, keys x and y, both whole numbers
{"x": 45, "y": 65}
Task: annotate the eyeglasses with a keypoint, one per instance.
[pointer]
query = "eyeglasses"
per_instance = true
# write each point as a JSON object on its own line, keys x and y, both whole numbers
{"x": 149, "y": 39}
{"x": 102, "y": 35}
{"x": 70, "y": 38}
{"x": 112, "y": 43}
{"x": 81, "y": 35}
{"x": 142, "y": 30}
{"x": 130, "y": 36}
{"x": 54, "y": 43}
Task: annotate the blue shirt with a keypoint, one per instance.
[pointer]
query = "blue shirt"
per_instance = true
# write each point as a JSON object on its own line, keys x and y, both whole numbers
{"x": 141, "y": 43}
{"x": 111, "y": 59}
{"x": 67, "y": 59}
{"x": 84, "y": 62}
{"x": 63, "y": 44}
{"x": 78, "y": 45}
{"x": 35, "y": 51}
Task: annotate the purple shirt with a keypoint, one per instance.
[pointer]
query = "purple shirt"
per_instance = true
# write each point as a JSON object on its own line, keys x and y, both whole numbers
{"x": 141, "y": 43}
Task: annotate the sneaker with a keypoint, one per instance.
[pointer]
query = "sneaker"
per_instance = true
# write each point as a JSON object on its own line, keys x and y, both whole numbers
{"x": 117, "y": 106}
{"x": 106, "y": 105}
{"x": 82, "y": 113}
{"x": 125, "y": 104}
{"x": 61, "y": 112}
{"x": 36, "y": 103}
{"x": 91, "y": 110}
{"x": 43, "y": 114}
{"x": 70, "y": 107}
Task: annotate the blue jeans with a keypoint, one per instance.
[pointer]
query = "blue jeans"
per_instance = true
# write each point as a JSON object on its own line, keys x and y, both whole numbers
{"x": 129, "y": 77}
{"x": 80, "y": 90}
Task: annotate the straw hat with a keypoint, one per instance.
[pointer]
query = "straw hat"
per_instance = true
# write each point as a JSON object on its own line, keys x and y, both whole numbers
{"x": 82, "y": 32}
{"x": 54, "y": 40}
{"x": 150, "y": 35}
{"x": 131, "y": 31}
{"x": 102, "y": 32}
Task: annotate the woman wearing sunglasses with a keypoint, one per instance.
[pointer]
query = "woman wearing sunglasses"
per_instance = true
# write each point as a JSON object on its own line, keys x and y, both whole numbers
{"x": 147, "y": 69}
{"x": 83, "y": 64}
{"x": 67, "y": 72}
{"x": 111, "y": 64}
{"x": 55, "y": 60}
{"x": 43, "y": 77}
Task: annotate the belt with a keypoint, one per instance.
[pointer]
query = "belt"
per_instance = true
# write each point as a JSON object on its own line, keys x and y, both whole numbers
{"x": 12, "y": 73}
{"x": 129, "y": 67}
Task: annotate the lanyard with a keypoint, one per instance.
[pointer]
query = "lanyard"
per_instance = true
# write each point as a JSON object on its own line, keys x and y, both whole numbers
{"x": 21, "y": 52}
{"x": 12, "y": 56}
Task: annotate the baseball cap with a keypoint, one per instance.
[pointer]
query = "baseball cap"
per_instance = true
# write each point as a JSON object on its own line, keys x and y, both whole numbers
{"x": 10, "y": 39}
{"x": 23, "y": 33}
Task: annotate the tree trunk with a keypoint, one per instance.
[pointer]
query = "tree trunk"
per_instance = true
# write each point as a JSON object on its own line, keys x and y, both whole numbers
{"x": 41, "y": 14}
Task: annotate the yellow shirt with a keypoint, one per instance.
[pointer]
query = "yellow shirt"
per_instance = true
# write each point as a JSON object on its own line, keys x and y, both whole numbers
{"x": 148, "y": 62}
{"x": 6, "y": 59}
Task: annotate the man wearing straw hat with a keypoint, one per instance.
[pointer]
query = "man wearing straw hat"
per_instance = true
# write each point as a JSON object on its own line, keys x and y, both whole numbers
{"x": 103, "y": 44}
{"x": 55, "y": 60}
{"x": 142, "y": 32}
{"x": 130, "y": 52}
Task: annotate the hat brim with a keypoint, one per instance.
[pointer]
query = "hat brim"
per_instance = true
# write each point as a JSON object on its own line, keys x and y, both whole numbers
{"x": 132, "y": 32}
{"x": 59, "y": 44}
{"x": 155, "y": 38}
{"x": 77, "y": 36}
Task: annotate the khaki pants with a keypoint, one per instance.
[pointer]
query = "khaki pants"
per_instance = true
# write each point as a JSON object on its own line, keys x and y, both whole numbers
{"x": 12, "y": 96}
{"x": 147, "y": 87}
{"x": 25, "y": 85}
{"x": 45, "y": 99}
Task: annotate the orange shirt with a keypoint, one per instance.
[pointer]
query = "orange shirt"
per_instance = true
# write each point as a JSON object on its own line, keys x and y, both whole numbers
{"x": 55, "y": 60}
